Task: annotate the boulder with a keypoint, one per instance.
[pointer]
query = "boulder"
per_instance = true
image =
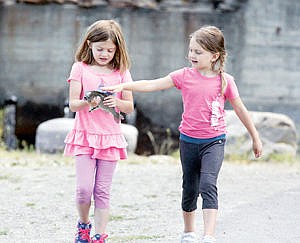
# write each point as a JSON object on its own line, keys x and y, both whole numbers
{"x": 50, "y": 135}
{"x": 277, "y": 132}
{"x": 131, "y": 135}
{"x": 152, "y": 4}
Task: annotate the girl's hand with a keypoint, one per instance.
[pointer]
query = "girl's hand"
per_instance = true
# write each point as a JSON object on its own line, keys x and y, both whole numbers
{"x": 113, "y": 89}
{"x": 257, "y": 148}
{"x": 94, "y": 102}
{"x": 111, "y": 101}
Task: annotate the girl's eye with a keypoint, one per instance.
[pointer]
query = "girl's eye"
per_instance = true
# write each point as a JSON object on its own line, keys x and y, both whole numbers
{"x": 197, "y": 52}
{"x": 110, "y": 50}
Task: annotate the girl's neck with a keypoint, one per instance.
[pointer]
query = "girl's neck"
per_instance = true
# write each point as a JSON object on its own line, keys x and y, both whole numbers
{"x": 102, "y": 69}
{"x": 208, "y": 73}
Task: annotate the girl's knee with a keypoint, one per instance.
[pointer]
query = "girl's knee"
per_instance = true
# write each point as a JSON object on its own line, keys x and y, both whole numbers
{"x": 189, "y": 199}
{"x": 102, "y": 199}
{"x": 209, "y": 194}
{"x": 83, "y": 195}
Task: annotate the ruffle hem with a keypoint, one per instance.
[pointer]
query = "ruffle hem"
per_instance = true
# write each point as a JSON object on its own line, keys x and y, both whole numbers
{"x": 105, "y": 147}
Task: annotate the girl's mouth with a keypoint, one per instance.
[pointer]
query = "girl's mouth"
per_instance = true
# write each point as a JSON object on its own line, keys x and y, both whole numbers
{"x": 103, "y": 59}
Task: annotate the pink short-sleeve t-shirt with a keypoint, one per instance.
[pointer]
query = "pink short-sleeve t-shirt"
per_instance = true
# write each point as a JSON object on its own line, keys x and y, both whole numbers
{"x": 96, "y": 133}
{"x": 203, "y": 102}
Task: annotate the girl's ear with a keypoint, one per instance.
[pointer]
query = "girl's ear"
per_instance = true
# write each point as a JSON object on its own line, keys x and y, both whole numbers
{"x": 215, "y": 57}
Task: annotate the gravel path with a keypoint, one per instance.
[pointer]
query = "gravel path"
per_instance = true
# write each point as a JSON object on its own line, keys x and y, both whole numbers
{"x": 259, "y": 202}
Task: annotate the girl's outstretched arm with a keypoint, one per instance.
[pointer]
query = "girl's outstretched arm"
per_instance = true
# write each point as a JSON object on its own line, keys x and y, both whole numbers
{"x": 245, "y": 118}
{"x": 143, "y": 85}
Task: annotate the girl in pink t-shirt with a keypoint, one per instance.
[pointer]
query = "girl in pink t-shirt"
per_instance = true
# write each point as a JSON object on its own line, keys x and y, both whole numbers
{"x": 96, "y": 140}
{"x": 204, "y": 87}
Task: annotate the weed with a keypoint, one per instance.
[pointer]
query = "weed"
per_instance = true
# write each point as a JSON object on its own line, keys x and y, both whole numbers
{"x": 3, "y": 232}
{"x": 165, "y": 147}
{"x": 116, "y": 218}
{"x": 30, "y": 204}
{"x": 10, "y": 178}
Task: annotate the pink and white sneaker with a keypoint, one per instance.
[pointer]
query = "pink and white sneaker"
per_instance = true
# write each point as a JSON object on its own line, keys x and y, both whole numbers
{"x": 97, "y": 238}
{"x": 83, "y": 233}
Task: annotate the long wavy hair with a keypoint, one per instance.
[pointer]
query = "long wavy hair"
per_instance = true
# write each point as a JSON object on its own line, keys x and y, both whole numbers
{"x": 104, "y": 30}
{"x": 211, "y": 39}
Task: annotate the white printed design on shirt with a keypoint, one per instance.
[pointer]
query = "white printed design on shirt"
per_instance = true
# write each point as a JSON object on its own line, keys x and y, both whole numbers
{"x": 101, "y": 84}
{"x": 215, "y": 113}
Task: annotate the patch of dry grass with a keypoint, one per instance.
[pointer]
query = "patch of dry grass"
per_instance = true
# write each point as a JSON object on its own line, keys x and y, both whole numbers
{"x": 31, "y": 158}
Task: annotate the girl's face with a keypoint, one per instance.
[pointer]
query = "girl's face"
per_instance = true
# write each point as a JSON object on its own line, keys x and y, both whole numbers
{"x": 103, "y": 52}
{"x": 200, "y": 58}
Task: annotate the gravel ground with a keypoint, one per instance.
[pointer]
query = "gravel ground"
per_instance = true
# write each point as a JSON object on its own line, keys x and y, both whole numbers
{"x": 259, "y": 202}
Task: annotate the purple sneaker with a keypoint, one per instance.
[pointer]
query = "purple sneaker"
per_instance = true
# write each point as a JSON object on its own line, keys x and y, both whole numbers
{"x": 99, "y": 238}
{"x": 83, "y": 233}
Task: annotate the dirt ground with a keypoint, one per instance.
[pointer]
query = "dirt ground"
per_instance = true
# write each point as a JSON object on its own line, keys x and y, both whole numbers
{"x": 259, "y": 202}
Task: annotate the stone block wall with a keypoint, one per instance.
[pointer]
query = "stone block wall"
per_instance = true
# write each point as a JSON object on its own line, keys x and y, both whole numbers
{"x": 37, "y": 45}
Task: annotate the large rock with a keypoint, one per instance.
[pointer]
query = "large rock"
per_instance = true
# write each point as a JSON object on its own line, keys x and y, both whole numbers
{"x": 277, "y": 132}
{"x": 50, "y": 135}
{"x": 131, "y": 135}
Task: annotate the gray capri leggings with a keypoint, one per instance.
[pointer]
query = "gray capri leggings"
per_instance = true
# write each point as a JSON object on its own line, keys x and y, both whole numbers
{"x": 201, "y": 164}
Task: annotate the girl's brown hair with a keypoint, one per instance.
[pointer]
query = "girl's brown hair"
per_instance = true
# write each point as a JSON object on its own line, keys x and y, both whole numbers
{"x": 104, "y": 30}
{"x": 211, "y": 39}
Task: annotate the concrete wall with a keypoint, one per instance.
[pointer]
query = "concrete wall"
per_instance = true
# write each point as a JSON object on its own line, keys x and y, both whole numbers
{"x": 37, "y": 45}
{"x": 269, "y": 67}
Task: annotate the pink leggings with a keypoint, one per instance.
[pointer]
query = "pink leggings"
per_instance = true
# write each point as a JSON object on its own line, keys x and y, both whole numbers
{"x": 94, "y": 176}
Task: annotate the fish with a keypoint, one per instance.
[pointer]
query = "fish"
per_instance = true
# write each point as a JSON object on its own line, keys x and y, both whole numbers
{"x": 90, "y": 95}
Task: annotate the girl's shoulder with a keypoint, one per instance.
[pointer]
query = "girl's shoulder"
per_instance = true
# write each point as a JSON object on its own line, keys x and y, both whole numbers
{"x": 122, "y": 72}
{"x": 78, "y": 66}
{"x": 181, "y": 71}
{"x": 228, "y": 76}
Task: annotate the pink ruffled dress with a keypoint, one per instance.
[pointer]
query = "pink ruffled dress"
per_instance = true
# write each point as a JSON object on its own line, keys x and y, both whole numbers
{"x": 96, "y": 133}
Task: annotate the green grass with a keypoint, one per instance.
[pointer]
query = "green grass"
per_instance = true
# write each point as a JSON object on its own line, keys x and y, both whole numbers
{"x": 4, "y": 177}
{"x": 271, "y": 158}
{"x": 116, "y": 218}
{"x": 29, "y": 157}
{"x": 30, "y": 204}
{"x": 283, "y": 158}
{"x": 3, "y": 232}
{"x": 11, "y": 178}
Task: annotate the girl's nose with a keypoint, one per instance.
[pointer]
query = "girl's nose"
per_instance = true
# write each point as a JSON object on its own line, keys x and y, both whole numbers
{"x": 190, "y": 56}
{"x": 104, "y": 53}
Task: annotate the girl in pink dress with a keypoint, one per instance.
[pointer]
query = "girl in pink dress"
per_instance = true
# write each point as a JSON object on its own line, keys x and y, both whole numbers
{"x": 204, "y": 87}
{"x": 96, "y": 140}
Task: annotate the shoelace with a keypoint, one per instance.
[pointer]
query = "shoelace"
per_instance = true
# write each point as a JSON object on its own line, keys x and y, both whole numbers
{"x": 84, "y": 234}
{"x": 101, "y": 240}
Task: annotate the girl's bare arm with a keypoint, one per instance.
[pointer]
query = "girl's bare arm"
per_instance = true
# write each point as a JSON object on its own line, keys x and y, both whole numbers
{"x": 143, "y": 85}
{"x": 75, "y": 103}
{"x": 245, "y": 118}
